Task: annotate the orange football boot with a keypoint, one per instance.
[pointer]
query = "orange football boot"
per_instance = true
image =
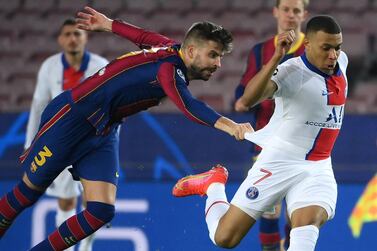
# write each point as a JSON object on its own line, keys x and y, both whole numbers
{"x": 198, "y": 183}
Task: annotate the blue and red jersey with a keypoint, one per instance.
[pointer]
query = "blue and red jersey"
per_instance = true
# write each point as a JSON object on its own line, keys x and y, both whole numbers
{"x": 259, "y": 55}
{"x": 137, "y": 81}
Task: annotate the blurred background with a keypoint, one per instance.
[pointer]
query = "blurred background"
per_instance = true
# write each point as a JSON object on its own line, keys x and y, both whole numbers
{"x": 160, "y": 146}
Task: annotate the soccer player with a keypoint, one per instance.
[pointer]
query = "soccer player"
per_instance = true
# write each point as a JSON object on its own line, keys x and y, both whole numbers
{"x": 79, "y": 127}
{"x": 63, "y": 71}
{"x": 295, "y": 163}
{"x": 289, "y": 14}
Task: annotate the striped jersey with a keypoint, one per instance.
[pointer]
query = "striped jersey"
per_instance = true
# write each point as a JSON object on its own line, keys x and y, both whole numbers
{"x": 139, "y": 80}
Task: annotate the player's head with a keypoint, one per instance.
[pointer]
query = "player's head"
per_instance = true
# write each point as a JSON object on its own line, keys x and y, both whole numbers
{"x": 323, "y": 40}
{"x": 70, "y": 38}
{"x": 204, "y": 45}
{"x": 290, "y": 14}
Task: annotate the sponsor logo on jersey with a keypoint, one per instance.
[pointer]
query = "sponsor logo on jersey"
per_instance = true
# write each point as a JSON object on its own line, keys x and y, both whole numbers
{"x": 40, "y": 159}
{"x": 180, "y": 73}
{"x": 252, "y": 193}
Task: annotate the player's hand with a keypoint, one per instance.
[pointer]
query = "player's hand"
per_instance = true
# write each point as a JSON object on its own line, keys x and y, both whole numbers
{"x": 284, "y": 42}
{"x": 240, "y": 106}
{"x": 240, "y": 130}
{"x": 92, "y": 20}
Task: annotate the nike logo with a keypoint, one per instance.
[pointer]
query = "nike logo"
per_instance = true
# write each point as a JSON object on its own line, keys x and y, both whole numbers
{"x": 326, "y": 93}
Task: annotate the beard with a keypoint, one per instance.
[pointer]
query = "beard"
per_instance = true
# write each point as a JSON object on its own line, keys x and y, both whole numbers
{"x": 200, "y": 73}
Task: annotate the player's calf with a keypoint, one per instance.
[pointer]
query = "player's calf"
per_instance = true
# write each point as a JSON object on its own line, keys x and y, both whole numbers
{"x": 78, "y": 227}
{"x": 14, "y": 202}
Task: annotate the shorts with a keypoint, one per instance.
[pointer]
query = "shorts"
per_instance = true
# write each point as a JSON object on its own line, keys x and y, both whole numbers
{"x": 64, "y": 186}
{"x": 66, "y": 138}
{"x": 277, "y": 175}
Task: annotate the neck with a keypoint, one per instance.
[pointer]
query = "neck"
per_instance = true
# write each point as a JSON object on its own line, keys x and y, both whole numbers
{"x": 183, "y": 54}
{"x": 74, "y": 59}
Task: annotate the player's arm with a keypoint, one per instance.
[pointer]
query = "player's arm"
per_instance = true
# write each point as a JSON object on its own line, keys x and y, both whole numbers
{"x": 261, "y": 87}
{"x": 92, "y": 20}
{"x": 41, "y": 98}
{"x": 176, "y": 89}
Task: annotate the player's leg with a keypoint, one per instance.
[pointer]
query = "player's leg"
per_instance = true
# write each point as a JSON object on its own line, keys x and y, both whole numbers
{"x": 227, "y": 224}
{"x": 23, "y": 195}
{"x": 269, "y": 234}
{"x": 310, "y": 203}
{"x": 97, "y": 171}
{"x": 100, "y": 210}
{"x": 305, "y": 227}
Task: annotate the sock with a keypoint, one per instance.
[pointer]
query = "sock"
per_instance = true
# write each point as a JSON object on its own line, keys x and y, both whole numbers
{"x": 78, "y": 227}
{"x": 216, "y": 206}
{"x": 303, "y": 238}
{"x": 269, "y": 235}
{"x": 287, "y": 230}
{"x": 62, "y": 216}
{"x": 14, "y": 202}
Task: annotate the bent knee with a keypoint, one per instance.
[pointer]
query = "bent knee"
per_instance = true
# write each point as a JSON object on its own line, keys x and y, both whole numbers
{"x": 227, "y": 240}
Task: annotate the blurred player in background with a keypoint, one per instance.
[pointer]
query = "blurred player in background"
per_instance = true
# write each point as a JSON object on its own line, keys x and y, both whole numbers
{"x": 295, "y": 162}
{"x": 79, "y": 127}
{"x": 60, "y": 72}
{"x": 289, "y": 14}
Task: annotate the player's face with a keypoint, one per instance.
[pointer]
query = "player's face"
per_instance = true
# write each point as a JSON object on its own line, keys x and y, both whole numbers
{"x": 323, "y": 49}
{"x": 290, "y": 14}
{"x": 72, "y": 40}
{"x": 206, "y": 59}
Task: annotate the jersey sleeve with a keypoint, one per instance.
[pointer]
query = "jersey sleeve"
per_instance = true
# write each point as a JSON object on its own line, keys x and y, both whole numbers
{"x": 174, "y": 84}
{"x": 139, "y": 36}
{"x": 250, "y": 72}
{"x": 41, "y": 97}
{"x": 288, "y": 78}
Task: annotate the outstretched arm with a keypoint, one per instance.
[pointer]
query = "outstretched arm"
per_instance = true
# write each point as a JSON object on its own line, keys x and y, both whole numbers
{"x": 92, "y": 20}
{"x": 261, "y": 87}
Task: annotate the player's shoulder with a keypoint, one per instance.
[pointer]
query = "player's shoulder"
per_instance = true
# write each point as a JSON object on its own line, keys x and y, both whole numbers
{"x": 53, "y": 61}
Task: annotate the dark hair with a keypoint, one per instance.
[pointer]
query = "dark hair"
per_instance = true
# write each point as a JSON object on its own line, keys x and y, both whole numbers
{"x": 210, "y": 31}
{"x": 323, "y": 23}
{"x": 68, "y": 21}
{"x": 305, "y": 2}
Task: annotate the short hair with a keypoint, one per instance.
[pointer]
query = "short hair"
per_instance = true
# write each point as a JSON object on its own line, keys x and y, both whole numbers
{"x": 323, "y": 23}
{"x": 209, "y": 31}
{"x": 305, "y": 2}
{"x": 68, "y": 21}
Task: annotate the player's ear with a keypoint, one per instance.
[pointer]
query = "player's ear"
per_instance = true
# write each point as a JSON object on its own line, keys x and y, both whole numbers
{"x": 275, "y": 12}
{"x": 191, "y": 51}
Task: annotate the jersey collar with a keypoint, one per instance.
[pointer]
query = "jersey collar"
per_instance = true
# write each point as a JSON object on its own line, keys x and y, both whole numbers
{"x": 84, "y": 62}
{"x": 311, "y": 67}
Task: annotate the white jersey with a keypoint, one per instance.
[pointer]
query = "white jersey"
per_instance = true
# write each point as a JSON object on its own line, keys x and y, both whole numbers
{"x": 50, "y": 81}
{"x": 309, "y": 109}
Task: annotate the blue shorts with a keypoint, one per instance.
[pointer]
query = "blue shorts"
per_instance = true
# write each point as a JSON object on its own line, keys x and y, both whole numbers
{"x": 66, "y": 138}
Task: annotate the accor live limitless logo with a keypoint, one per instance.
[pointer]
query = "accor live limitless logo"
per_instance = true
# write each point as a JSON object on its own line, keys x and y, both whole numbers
{"x": 333, "y": 120}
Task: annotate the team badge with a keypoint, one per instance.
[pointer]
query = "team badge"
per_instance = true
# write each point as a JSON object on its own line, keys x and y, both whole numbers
{"x": 180, "y": 73}
{"x": 252, "y": 193}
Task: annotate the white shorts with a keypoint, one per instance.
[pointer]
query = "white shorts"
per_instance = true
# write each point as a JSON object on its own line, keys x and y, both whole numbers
{"x": 277, "y": 175}
{"x": 64, "y": 186}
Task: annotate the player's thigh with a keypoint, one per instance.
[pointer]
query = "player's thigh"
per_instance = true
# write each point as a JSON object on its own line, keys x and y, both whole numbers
{"x": 102, "y": 163}
{"x": 311, "y": 215}
{"x": 99, "y": 191}
{"x": 318, "y": 188}
{"x": 234, "y": 225}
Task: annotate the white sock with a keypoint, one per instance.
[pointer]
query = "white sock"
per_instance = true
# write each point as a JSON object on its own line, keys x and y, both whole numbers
{"x": 62, "y": 216}
{"x": 216, "y": 206}
{"x": 303, "y": 238}
{"x": 87, "y": 243}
